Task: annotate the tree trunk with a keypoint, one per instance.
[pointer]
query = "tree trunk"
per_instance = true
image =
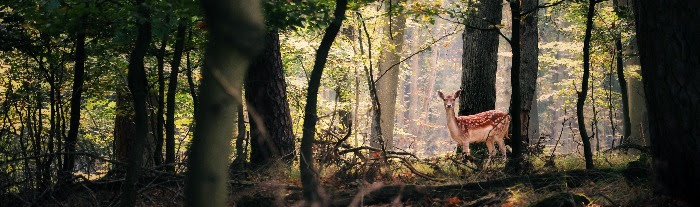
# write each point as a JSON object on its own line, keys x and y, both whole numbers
{"x": 515, "y": 162}
{"x": 669, "y": 49}
{"x": 172, "y": 91}
{"x": 389, "y": 70}
{"x": 626, "y": 121}
{"x": 235, "y": 28}
{"x": 528, "y": 73}
{"x": 266, "y": 96}
{"x": 137, "y": 85}
{"x": 123, "y": 125}
{"x": 160, "y": 101}
{"x": 78, "y": 80}
{"x": 240, "y": 161}
{"x": 479, "y": 59}
{"x": 584, "y": 86}
{"x": 190, "y": 80}
{"x": 310, "y": 182}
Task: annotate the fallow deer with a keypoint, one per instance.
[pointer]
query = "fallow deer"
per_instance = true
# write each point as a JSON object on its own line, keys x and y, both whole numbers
{"x": 489, "y": 126}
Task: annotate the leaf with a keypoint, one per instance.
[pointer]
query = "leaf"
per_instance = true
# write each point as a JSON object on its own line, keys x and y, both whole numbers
{"x": 454, "y": 201}
{"x": 376, "y": 155}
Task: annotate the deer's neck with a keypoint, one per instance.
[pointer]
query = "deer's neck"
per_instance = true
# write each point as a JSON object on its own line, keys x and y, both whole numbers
{"x": 455, "y": 132}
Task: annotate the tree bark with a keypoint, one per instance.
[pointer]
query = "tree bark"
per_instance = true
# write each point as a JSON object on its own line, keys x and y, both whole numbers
{"x": 160, "y": 103}
{"x": 190, "y": 81}
{"x": 626, "y": 121}
{"x": 479, "y": 59}
{"x": 528, "y": 73}
{"x": 137, "y": 85}
{"x": 78, "y": 80}
{"x": 669, "y": 49}
{"x": 235, "y": 28}
{"x": 172, "y": 91}
{"x": 240, "y": 161}
{"x": 123, "y": 125}
{"x": 515, "y": 162}
{"x": 266, "y": 94}
{"x": 310, "y": 182}
{"x": 389, "y": 70}
{"x": 584, "y": 86}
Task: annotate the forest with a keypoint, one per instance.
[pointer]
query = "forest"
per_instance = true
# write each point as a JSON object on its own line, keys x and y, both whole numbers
{"x": 349, "y": 103}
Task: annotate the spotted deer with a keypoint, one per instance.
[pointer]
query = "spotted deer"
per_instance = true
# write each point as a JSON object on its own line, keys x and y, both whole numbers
{"x": 488, "y": 126}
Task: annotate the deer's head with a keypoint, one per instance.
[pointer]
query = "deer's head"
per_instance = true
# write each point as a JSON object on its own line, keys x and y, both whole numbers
{"x": 449, "y": 100}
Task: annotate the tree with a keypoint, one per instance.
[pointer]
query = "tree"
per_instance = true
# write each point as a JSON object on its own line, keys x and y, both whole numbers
{"x": 78, "y": 82}
{"x": 669, "y": 50}
{"x": 514, "y": 163}
{"x": 581, "y": 100}
{"x": 172, "y": 90}
{"x": 389, "y": 71}
{"x": 529, "y": 67}
{"x": 626, "y": 121}
{"x": 479, "y": 59}
{"x": 234, "y": 36}
{"x": 310, "y": 182}
{"x": 266, "y": 96}
{"x": 159, "y": 99}
{"x": 137, "y": 85}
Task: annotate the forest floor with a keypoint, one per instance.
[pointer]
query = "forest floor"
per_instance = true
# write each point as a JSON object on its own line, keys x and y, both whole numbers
{"x": 617, "y": 184}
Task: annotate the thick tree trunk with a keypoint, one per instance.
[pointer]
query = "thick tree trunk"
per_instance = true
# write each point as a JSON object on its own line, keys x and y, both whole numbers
{"x": 78, "y": 80}
{"x": 241, "y": 157}
{"x": 389, "y": 70}
{"x": 266, "y": 94}
{"x": 137, "y": 85}
{"x": 479, "y": 59}
{"x": 123, "y": 125}
{"x": 172, "y": 91}
{"x": 584, "y": 86}
{"x": 312, "y": 192}
{"x": 235, "y": 28}
{"x": 669, "y": 49}
{"x": 528, "y": 72}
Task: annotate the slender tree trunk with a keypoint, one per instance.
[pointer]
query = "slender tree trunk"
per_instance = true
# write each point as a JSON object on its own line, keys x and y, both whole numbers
{"x": 137, "y": 85}
{"x": 78, "y": 80}
{"x": 266, "y": 94}
{"x": 160, "y": 101}
{"x": 669, "y": 49}
{"x": 172, "y": 92}
{"x": 515, "y": 162}
{"x": 312, "y": 192}
{"x": 190, "y": 80}
{"x": 479, "y": 59}
{"x": 584, "y": 86}
{"x": 389, "y": 70}
{"x": 626, "y": 121}
{"x": 235, "y": 28}
{"x": 528, "y": 73}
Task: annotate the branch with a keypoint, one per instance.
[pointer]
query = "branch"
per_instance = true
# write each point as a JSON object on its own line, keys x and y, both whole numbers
{"x": 542, "y": 7}
{"x": 417, "y": 52}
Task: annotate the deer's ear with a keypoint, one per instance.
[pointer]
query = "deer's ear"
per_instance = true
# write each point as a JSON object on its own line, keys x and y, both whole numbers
{"x": 442, "y": 96}
{"x": 458, "y": 93}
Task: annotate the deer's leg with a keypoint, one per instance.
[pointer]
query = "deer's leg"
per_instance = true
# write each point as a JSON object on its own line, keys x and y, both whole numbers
{"x": 502, "y": 147}
{"x": 492, "y": 151}
{"x": 465, "y": 148}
